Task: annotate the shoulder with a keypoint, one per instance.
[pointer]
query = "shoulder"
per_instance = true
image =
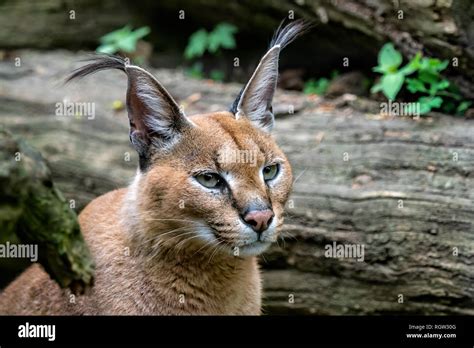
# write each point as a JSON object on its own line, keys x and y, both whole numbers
{"x": 100, "y": 221}
{"x": 102, "y": 209}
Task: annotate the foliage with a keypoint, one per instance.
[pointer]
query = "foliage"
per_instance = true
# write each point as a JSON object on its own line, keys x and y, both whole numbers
{"x": 432, "y": 89}
{"x": 313, "y": 86}
{"x": 124, "y": 39}
{"x": 196, "y": 71}
{"x": 202, "y": 41}
{"x": 221, "y": 37}
{"x": 318, "y": 86}
{"x": 217, "y": 75}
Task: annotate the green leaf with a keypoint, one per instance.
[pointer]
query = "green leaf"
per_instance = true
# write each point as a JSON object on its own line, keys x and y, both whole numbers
{"x": 116, "y": 35}
{"x": 438, "y": 86}
{"x": 433, "y": 65}
{"x": 107, "y": 48}
{"x": 415, "y": 85}
{"x": 141, "y": 33}
{"x": 428, "y": 103}
{"x": 437, "y": 65}
{"x": 222, "y": 37}
{"x": 318, "y": 87}
{"x": 123, "y": 39}
{"x": 424, "y": 108}
{"x": 379, "y": 70}
{"x": 389, "y": 58}
{"x": 443, "y": 84}
{"x": 217, "y": 75}
{"x": 127, "y": 44}
{"x": 197, "y": 44}
{"x": 463, "y": 106}
{"x": 376, "y": 88}
{"x": 428, "y": 76}
{"x": 412, "y": 66}
{"x": 391, "y": 84}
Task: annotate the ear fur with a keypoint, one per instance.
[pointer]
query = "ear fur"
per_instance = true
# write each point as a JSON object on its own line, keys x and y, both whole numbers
{"x": 156, "y": 120}
{"x": 255, "y": 100}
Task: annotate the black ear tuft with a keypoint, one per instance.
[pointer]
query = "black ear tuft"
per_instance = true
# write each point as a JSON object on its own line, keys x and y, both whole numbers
{"x": 286, "y": 34}
{"x": 156, "y": 120}
{"x": 255, "y": 100}
{"x": 98, "y": 63}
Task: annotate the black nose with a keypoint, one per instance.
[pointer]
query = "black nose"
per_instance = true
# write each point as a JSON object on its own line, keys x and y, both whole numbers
{"x": 259, "y": 220}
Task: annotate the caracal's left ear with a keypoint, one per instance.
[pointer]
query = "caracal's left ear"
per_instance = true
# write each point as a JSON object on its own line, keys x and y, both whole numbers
{"x": 255, "y": 100}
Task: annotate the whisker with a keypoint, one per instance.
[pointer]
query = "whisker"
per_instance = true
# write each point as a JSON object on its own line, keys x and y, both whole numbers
{"x": 299, "y": 176}
{"x": 209, "y": 243}
{"x": 215, "y": 250}
{"x": 182, "y": 243}
{"x": 163, "y": 234}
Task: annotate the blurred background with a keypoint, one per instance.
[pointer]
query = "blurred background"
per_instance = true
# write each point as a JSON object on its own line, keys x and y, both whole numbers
{"x": 396, "y": 181}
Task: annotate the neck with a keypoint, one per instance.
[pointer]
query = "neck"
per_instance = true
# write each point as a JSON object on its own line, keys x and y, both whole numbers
{"x": 157, "y": 249}
{"x": 213, "y": 281}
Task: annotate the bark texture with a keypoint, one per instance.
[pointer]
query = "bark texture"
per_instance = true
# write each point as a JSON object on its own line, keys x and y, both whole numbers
{"x": 33, "y": 211}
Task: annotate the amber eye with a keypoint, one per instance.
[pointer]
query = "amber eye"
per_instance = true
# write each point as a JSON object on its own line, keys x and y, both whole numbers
{"x": 210, "y": 180}
{"x": 270, "y": 172}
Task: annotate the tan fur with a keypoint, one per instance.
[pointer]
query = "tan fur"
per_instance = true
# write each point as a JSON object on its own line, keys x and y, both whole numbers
{"x": 149, "y": 257}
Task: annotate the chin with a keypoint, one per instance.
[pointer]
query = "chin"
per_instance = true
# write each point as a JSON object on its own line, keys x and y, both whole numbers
{"x": 254, "y": 249}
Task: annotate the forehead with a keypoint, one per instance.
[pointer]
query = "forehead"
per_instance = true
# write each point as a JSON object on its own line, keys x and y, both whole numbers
{"x": 230, "y": 144}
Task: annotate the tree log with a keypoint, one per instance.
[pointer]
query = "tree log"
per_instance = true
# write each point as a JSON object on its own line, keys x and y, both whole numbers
{"x": 399, "y": 187}
{"x": 34, "y": 212}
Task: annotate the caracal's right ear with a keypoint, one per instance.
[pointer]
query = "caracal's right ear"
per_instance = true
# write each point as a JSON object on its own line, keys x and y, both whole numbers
{"x": 255, "y": 99}
{"x": 156, "y": 120}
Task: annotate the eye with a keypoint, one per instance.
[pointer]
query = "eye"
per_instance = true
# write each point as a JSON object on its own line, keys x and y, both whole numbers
{"x": 270, "y": 172}
{"x": 210, "y": 180}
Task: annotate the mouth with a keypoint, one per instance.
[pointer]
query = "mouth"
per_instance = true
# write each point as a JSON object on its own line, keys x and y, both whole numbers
{"x": 253, "y": 249}
{"x": 245, "y": 249}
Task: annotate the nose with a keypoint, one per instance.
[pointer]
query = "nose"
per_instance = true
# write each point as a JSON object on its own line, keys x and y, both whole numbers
{"x": 259, "y": 220}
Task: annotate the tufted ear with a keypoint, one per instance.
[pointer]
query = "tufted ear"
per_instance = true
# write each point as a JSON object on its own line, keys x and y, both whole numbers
{"x": 156, "y": 121}
{"x": 255, "y": 99}
{"x": 155, "y": 117}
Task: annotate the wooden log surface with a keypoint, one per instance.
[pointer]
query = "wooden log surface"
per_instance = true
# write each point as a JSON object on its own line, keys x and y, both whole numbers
{"x": 400, "y": 187}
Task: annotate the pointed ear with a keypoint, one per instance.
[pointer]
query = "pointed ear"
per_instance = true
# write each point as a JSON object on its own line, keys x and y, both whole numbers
{"x": 156, "y": 121}
{"x": 256, "y": 99}
{"x": 155, "y": 117}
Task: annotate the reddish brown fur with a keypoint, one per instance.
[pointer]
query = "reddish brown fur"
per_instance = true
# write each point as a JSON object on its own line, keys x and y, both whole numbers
{"x": 149, "y": 257}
